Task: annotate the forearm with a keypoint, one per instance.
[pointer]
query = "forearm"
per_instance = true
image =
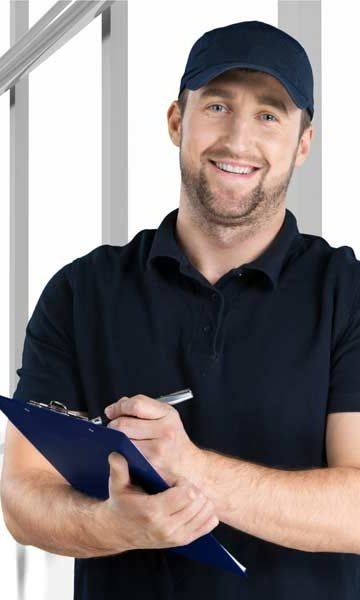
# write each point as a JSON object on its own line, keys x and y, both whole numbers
{"x": 315, "y": 510}
{"x": 41, "y": 511}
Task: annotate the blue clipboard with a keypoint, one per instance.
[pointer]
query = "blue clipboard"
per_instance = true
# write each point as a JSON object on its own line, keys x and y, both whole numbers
{"x": 79, "y": 450}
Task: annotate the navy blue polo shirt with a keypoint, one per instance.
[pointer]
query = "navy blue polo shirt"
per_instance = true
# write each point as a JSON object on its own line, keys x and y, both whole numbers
{"x": 268, "y": 351}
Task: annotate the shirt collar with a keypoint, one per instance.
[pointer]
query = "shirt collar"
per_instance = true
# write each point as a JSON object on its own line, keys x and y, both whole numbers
{"x": 269, "y": 262}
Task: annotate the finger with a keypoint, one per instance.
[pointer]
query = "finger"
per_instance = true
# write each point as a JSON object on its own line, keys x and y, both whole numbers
{"x": 176, "y": 498}
{"x": 190, "y": 509}
{"x": 196, "y": 519}
{"x": 199, "y": 512}
{"x": 138, "y": 429}
{"x": 119, "y": 470}
{"x": 148, "y": 448}
{"x": 113, "y": 410}
{"x": 139, "y": 406}
{"x": 206, "y": 526}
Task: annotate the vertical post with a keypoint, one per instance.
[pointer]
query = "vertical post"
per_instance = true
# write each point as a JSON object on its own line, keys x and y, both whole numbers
{"x": 302, "y": 20}
{"x": 115, "y": 124}
{"x": 19, "y": 225}
{"x": 19, "y": 198}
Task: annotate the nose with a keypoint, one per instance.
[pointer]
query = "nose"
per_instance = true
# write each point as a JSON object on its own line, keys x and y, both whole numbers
{"x": 240, "y": 132}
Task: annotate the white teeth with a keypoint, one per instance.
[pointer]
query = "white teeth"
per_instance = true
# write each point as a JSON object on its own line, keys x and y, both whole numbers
{"x": 232, "y": 169}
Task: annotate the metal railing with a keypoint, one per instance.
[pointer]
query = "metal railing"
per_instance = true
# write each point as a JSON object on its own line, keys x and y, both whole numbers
{"x": 56, "y": 27}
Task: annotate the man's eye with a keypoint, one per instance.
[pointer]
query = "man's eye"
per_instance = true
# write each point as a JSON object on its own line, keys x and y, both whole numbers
{"x": 269, "y": 115}
{"x": 211, "y": 105}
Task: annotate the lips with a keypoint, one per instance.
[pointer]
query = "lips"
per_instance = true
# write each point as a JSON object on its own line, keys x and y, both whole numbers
{"x": 235, "y": 176}
{"x": 231, "y": 163}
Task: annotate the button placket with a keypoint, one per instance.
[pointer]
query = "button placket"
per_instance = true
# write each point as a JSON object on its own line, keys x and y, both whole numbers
{"x": 218, "y": 325}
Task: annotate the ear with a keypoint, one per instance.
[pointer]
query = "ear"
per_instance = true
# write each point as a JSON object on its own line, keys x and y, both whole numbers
{"x": 174, "y": 123}
{"x": 304, "y": 146}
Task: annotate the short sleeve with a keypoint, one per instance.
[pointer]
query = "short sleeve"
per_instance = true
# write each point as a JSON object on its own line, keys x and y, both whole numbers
{"x": 49, "y": 369}
{"x": 344, "y": 388}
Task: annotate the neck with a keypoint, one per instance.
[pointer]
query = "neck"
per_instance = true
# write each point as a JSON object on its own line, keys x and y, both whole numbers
{"x": 214, "y": 249}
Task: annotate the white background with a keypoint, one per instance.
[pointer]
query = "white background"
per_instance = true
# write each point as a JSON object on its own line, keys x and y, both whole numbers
{"x": 65, "y": 162}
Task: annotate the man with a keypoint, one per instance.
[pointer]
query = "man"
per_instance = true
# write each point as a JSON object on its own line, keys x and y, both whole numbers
{"x": 262, "y": 322}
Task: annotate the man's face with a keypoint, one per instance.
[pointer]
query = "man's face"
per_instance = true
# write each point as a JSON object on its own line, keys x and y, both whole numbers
{"x": 248, "y": 119}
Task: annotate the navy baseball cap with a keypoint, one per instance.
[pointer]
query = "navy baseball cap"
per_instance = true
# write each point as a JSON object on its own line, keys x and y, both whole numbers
{"x": 253, "y": 45}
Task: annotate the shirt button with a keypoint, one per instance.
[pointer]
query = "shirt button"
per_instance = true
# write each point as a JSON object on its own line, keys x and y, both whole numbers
{"x": 206, "y": 328}
{"x": 240, "y": 273}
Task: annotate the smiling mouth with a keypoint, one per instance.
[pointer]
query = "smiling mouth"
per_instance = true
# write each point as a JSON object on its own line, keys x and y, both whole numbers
{"x": 232, "y": 175}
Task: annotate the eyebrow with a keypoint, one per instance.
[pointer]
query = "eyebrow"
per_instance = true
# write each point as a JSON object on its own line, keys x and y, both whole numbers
{"x": 267, "y": 99}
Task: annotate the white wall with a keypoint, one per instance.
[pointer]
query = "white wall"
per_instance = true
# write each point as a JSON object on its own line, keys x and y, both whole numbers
{"x": 65, "y": 154}
{"x": 341, "y": 123}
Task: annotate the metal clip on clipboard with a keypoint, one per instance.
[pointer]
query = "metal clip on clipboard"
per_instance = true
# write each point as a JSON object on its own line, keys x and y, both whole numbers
{"x": 59, "y": 407}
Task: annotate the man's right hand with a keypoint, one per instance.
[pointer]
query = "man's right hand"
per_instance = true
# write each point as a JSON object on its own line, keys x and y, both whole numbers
{"x": 137, "y": 520}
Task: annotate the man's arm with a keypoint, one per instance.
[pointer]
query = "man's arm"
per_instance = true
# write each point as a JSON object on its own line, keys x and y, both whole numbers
{"x": 58, "y": 518}
{"x": 42, "y": 509}
{"x": 315, "y": 510}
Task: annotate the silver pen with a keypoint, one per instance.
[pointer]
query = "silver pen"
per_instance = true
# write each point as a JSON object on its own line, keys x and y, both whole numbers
{"x": 172, "y": 398}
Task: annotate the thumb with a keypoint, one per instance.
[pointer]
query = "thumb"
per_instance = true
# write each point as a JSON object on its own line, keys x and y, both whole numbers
{"x": 119, "y": 468}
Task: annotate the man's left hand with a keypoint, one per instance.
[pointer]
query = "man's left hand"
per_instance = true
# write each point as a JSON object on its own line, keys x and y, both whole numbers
{"x": 156, "y": 429}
